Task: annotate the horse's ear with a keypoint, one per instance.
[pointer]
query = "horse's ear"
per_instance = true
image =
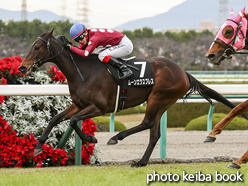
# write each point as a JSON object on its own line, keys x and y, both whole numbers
{"x": 50, "y": 33}
{"x": 231, "y": 11}
{"x": 243, "y": 11}
{"x": 240, "y": 15}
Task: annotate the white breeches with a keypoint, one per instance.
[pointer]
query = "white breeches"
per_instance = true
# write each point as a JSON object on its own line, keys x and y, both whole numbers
{"x": 124, "y": 48}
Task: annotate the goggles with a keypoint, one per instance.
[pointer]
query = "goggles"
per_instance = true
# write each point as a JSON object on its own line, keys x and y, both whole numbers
{"x": 79, "y": 38}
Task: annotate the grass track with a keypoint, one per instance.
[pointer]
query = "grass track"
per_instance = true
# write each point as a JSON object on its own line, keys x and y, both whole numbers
{"x": 113, "y": 175}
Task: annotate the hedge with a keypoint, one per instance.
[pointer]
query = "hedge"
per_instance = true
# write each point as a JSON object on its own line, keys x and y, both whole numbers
{"x": 200, "y": 123}
{"x": 103, "y": 124}
{"x": 180, "y": 114}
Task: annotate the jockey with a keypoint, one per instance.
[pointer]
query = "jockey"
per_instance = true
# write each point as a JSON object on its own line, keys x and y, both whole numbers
{"x": 108, "y": 44}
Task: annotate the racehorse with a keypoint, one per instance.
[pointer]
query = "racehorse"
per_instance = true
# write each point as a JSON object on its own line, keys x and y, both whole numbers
{"x": 95, "y": 93}
{"x": 231, "y": 38}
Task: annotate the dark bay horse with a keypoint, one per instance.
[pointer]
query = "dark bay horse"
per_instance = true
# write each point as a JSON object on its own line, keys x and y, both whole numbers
{"x": 231, "y": 38}
{"x": 96, "y": 95}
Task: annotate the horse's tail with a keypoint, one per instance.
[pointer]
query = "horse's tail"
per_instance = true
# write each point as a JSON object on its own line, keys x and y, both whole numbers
{"x": 207, "y": 93}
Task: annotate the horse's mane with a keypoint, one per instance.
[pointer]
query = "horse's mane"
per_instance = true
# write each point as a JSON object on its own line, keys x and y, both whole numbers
{"x": 246, "y": 16}
{"x": 92, "y": 57}
{"x": 45, "y": 33}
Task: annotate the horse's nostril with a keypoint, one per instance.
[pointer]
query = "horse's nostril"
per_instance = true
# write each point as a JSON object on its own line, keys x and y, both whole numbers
{"x": 210, "y": 56}
{"x": 22, "y": 69}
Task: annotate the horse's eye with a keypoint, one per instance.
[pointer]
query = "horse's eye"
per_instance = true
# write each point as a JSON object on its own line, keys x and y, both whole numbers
{"x": 36, "y": 48}
{"x": 228, "y": 32}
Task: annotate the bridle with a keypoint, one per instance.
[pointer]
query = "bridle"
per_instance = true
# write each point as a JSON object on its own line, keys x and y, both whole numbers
{"x": 229, "y": 46}
{"x": 41, "y": 61}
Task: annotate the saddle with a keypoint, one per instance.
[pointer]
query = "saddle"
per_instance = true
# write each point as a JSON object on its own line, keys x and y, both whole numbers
{"x": 142, "y": 76}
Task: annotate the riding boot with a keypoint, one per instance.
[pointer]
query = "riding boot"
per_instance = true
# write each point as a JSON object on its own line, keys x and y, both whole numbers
{"x": 125, "y": 71}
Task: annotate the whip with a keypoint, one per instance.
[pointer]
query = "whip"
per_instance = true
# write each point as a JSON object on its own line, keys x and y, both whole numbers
{"x": 76, "y": 66}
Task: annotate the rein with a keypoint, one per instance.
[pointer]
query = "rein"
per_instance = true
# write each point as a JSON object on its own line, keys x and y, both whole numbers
{"x": 76, "y": 66}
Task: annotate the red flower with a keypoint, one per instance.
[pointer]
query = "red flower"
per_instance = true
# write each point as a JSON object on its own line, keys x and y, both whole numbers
{"x": 2, "y": 99}
{"x": 10, "y": 65}
{"x": 3, "y": 81}
{"x": 56, "y": 75}
{"x": 15, "y": 151}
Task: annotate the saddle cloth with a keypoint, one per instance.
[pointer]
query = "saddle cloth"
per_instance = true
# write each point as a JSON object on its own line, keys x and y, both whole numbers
{"x": 142, "y": 72}
{"x": 142, "y": 76}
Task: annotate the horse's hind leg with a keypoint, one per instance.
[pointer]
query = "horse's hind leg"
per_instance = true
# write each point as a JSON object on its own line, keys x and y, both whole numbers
{"x": 66, "y": 114}
{"x": 238, "y": 110}
{"x": 147, "y": 123}
{"x": 154, "y": 137}
{"x": 155, "y": 104}
{"x": 237, "y": 164}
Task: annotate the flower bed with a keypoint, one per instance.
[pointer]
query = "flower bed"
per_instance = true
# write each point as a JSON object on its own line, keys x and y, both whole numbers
{"x": 22, "y": 119}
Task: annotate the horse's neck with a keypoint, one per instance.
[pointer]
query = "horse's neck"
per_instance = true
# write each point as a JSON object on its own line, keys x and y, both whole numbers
{"x": 70, "y": 69}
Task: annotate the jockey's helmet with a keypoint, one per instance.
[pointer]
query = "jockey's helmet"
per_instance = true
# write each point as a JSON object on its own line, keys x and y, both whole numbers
{"x": 77, "y": 30}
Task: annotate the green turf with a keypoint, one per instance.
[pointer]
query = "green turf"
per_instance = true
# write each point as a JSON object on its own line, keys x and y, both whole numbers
{"x": 115, "y": 175}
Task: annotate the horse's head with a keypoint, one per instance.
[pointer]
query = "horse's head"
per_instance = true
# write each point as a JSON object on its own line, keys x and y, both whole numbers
{"x": 229, "y": 39}
{"x": 38, "y": 54}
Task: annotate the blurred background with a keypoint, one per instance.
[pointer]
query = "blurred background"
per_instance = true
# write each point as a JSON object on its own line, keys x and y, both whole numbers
{"x": 181, "y": 30}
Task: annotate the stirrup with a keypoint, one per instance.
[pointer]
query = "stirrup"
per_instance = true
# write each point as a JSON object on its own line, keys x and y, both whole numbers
{"x": 128, "y": 74}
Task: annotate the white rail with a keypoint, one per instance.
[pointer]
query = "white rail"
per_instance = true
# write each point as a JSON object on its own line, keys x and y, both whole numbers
{"x": 34, "y": 90}
{"x": 39, "y": 90}
{"x": 221, "y": 77}
{"x": 223, "y": 80}
{"x": 50, "y": 90}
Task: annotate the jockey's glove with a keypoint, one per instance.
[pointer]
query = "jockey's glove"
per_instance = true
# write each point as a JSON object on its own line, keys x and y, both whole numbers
{"x": 64, "y": 41}
{"x": 68, "y": 46}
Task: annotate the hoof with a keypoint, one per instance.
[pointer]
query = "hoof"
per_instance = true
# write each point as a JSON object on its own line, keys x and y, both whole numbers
{"x": 210, "y": 139}
{"x": 138, "y": 164}
{"x": 37, "y": 151}
{"x": 93, "y": 139}
{"x": 112, "y": 142}
{"x": 233, "y": 166}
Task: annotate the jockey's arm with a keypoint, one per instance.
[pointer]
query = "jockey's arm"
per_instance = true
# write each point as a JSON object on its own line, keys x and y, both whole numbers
{"x": 84, "y": 52}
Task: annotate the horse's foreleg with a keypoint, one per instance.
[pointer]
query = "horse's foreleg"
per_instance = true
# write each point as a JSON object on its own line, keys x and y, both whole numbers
{"x": 66, "y": 114}
{"x": 219, "y": 127}
{"x": 238, "y": 110}
{"x": 88, "y": 112}
{"x": 237, "y": 164}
